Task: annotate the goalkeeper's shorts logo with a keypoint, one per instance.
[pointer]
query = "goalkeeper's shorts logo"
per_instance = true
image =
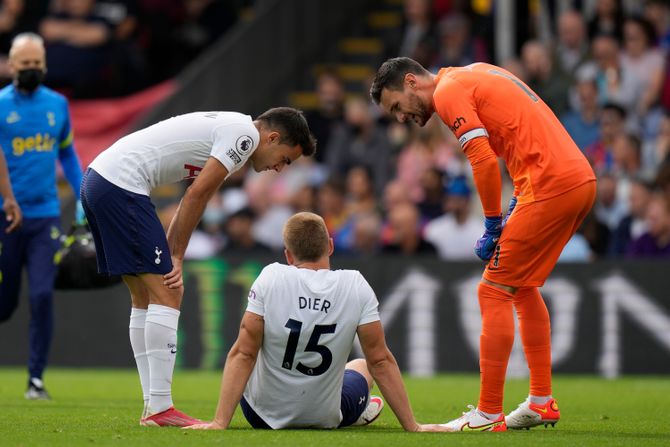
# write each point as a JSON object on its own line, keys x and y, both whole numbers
{"x": 496, "y": 257}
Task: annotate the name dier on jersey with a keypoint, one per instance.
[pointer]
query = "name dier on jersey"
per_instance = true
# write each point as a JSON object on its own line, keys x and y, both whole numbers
{"x": 320, "y": 304}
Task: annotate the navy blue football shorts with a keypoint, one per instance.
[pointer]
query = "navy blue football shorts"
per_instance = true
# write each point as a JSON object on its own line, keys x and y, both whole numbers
{"x": 355, "y": 396}
{"x": 129, "y": 238}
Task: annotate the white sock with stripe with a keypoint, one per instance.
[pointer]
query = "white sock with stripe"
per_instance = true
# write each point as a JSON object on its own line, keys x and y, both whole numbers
{"x": 136, "y": 331}
{"x": 160, "y": 335}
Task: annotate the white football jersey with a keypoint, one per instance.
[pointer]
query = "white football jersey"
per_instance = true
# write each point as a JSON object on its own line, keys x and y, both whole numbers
{"x": 177, "y": 149}
{"x": 311, "y": 318}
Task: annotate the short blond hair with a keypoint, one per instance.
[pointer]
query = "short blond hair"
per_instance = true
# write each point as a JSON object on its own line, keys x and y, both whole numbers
{"x": 306, "y": 237}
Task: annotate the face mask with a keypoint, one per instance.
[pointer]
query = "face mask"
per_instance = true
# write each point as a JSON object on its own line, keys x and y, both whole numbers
{"x": 29, "y": 79}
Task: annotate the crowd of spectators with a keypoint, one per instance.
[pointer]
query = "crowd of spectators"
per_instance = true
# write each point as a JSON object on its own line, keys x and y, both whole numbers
{"x": 384, "y": 187}
{"x": 106, "y": 48}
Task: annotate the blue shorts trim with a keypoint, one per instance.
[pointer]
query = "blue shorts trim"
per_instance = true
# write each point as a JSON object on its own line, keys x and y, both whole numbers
{"x": 128, "y": 235}
{"x": 354, "y": 400}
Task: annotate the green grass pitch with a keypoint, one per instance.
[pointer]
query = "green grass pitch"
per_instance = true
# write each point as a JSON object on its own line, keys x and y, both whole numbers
{"x": 102, "y": 407}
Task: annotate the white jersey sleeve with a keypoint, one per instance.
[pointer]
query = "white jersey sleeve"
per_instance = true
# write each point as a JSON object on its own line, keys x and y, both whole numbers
{"x": 233, "y": 144}
{"x": 368, "y": 300}
{"x": 257, "y": 293}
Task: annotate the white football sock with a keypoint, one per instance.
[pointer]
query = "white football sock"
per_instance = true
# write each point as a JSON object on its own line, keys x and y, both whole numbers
{"x": 160, "y": 335}
{"x": 136, "y": 329}
{"x": 539, "y": 400}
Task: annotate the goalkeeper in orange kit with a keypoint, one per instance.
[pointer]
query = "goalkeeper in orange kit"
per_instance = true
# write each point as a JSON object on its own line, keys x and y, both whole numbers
{"x": 493, "y": 114}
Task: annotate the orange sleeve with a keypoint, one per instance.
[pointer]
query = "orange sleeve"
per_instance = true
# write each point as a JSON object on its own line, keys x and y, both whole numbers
{"x": 456, "y": 107}
{"x": 486, "y": 174}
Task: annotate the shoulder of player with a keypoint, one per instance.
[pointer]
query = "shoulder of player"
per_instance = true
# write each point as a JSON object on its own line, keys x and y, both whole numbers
{"x": 352, "y": 277}
{"x": 238, "y": 123}
{"x": 450, "y": 84}
{"x": 275, "y": 269}
{"x": 6, "y": 91}
{"x": 223, "y": 117}
{"x": 52, "y": 95}
{"x": 348, "y": 272}
{"x": 457, "y": 77}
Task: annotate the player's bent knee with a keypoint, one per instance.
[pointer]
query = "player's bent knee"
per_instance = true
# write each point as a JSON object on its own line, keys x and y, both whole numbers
{"x": 361, "y": 366}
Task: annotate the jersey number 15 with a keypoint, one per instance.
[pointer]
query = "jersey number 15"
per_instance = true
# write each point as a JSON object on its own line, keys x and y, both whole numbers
{"x": 313, "y": 345}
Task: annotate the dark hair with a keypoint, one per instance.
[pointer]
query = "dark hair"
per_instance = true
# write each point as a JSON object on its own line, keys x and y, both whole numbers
{"x": 635, "y": 141}
{"x": 335, "y": 183}
{"x": 391, "y": 74}
{"x": 292, "y": 126}
{"x": 615, "y": 108}
{"x": 647, "y": 29}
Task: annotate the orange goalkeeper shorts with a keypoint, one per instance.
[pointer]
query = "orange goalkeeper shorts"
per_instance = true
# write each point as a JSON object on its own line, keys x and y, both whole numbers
{"x": 535, "y": 235}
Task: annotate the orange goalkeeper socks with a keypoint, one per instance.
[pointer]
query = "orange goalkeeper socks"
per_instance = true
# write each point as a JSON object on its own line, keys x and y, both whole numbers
{"x": 495, "y": 345}
{"x": 535, "y": 329}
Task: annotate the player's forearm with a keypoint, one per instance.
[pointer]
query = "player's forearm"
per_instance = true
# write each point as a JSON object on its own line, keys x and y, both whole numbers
{"x": 6, "y": 188}
{"x": 71, "y": 168}
{"x": 235, "y": 376}
{"x": 387, "y": 376}
{"x": 486, "y": 175}
{"x": 184, "y": 222}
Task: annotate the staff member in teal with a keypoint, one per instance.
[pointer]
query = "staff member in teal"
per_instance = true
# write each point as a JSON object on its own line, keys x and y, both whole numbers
{"x": 34, "y": 133}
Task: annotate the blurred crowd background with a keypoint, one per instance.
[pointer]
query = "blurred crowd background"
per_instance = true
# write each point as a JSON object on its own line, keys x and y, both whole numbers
{"x": 384, "y": 187}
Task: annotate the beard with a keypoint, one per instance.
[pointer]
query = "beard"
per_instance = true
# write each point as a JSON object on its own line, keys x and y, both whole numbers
{"x": 422, "y": 114}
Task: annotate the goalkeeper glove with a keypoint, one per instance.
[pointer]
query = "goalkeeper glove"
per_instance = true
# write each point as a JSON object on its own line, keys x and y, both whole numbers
{"x": 487, "y": 243}
{"x": 512, "y": 204}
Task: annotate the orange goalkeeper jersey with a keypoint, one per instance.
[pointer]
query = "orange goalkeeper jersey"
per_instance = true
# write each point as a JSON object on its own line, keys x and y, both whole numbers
{"x": 484, "y": 100}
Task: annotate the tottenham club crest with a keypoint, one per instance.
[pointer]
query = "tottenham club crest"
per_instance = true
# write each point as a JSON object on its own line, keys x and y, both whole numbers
{"x": 244, "y": 144}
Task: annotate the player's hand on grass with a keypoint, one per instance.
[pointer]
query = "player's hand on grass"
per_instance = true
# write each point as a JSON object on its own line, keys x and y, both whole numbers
{"x": 13, "y": 213}
{"x": 486, "y": 244}
{"x": 206, "y": 426}
{"x": 433, "y": 428}
{"x": 174, "y": 279}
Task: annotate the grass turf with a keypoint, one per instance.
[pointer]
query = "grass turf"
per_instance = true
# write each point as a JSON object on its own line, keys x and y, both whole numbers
{"x": 102, "y": 407}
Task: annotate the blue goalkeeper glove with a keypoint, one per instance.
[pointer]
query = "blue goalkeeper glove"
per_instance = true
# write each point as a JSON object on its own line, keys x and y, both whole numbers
{"x": 487, "y": 243}
{"x": 79, "y": 215}
{"x": 512, "y": 204}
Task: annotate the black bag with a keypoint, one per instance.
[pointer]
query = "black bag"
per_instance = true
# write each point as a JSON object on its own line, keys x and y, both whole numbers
{"x": 77, "y": 266}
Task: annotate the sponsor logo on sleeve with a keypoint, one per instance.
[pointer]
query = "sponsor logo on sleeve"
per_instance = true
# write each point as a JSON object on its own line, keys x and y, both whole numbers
{"x": 457, "y": 124}
{"x": 243, "y": 144}
{"x": 193, "y": 171}
{"x": 233, "y": 156}
{"x": 252, "y": 294}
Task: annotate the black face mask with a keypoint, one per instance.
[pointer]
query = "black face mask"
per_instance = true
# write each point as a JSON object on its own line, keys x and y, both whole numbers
{"x": 29, "y": 79}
